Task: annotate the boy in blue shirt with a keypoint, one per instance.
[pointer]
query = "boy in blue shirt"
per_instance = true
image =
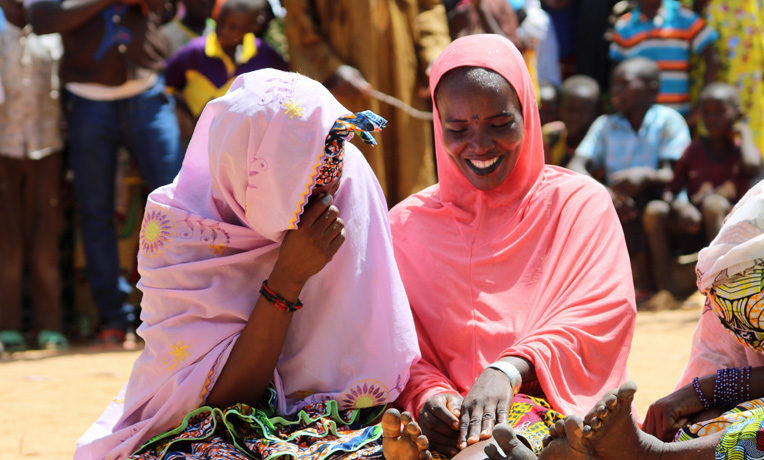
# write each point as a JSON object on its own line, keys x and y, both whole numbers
{"x": 632, "y": 152}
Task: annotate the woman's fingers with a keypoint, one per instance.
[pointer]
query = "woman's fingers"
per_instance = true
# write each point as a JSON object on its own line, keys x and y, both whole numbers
{"x": 469, "y": 426}
{"x": 434, "y": 424}
{"x": 326, "y": 219}
{"x": 444, "y": 414}
{"x": 314, "y": 210}
{"x": 502, "y": 411}
{"x": 336, "y": 243}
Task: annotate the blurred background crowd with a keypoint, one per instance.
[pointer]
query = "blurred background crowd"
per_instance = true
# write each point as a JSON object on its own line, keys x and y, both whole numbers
{"x": 661, "y": 101}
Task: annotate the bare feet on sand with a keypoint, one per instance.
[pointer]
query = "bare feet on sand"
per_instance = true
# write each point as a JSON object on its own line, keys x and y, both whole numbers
{"x": 402, "y": 439}
{"x": 565, "y": 442}
{"x": 611, "y": 433}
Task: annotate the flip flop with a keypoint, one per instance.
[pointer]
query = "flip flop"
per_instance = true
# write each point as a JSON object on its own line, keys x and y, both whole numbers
{"x": 52, "y": 340}
{"x": 12, "y": 340}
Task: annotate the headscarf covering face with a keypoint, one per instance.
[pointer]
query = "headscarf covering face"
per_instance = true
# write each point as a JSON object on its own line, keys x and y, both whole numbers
{"x": 211, "y": 237}
{"x": 535, "y": 268}
{"x": 731, "y": 271}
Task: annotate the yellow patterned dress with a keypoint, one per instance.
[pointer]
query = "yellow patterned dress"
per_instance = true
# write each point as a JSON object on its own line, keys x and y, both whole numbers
{"x": 740, "y": 24}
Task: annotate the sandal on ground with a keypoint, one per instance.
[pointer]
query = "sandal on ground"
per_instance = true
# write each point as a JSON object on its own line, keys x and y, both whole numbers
{"x": 12, "y": 340}
{"x": 52, "y": 340}
{"x": 111, "y": 337}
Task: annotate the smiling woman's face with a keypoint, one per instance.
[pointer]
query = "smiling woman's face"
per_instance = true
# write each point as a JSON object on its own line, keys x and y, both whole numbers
{"x": 482, "y": 124}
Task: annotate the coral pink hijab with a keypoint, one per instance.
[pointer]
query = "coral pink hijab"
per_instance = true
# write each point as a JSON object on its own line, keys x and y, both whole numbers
{"x": 536, "y": 268}
{"x": 211, "y": 237}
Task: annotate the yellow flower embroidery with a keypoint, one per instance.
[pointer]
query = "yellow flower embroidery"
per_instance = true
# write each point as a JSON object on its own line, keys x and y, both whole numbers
{"x": 156, "y": 232}
{"x": 293, "y": 109}
{"x": 219, "y": 249}
{"x": 179, "y": 352}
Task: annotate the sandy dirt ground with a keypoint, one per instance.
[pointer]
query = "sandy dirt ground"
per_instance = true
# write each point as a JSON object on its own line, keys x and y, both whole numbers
{"x": 47, "y": 400}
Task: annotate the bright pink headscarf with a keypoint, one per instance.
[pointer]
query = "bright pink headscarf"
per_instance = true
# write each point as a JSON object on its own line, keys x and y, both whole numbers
{"x": 536, "y": 268}
{"x": 211, "y": 237}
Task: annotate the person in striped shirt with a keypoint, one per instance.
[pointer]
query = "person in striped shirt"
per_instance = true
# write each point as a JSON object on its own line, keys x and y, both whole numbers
{"x": 665, "y": 32}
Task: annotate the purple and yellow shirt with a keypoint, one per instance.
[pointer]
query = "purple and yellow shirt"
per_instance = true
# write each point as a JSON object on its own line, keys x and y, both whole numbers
{"x": 201, "y": 71}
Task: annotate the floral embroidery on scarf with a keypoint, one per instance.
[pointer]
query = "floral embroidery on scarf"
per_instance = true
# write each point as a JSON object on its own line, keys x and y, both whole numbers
{"x": 363, "y": 394}
{"x": 156, "y": 232}
{"x": 293, "y": 109}
{"x": 206, "y": 231}
{"x": 178, "y": 354}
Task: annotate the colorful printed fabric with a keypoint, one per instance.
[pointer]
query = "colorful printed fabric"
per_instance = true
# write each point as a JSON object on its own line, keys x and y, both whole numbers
{"x": 739, "y": 304}
{"x": 669, "y": 39}
{"x": 743, "y": 429}
{"x": 530, "y": 418}
{"x": 318, "y": 431}
{"x": 727, "y": 420}
{"x": 740, "y": 24}
{"x": 743, "y": 440}
{"x": 362, "y": 123}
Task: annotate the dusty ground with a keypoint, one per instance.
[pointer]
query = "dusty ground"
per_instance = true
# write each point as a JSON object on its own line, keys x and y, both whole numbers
{"x": 48, "y": 399}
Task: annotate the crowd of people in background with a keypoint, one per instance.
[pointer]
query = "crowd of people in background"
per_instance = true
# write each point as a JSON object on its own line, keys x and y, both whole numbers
{"x": 659, "y": 100}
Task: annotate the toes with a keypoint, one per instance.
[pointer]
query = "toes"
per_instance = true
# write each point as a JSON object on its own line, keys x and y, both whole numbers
{"x": 425, "y": 455}
{"x": 626, "y": 392}
{"x": 505, "y": 437}
{"x": 422, "y": 443}
{"x": 595, "y": 423}
{"x": 557, "y": 429}
{"x": 406, "y": 418}
{"x": 391, "y": 424}
{"x": 574, "y": 427}
{"x": 412, "y": 430}
{"x": 492, "y": 452}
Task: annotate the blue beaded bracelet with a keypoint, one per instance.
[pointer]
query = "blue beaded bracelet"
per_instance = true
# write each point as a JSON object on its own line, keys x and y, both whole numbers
{"x": 696, "y": 385}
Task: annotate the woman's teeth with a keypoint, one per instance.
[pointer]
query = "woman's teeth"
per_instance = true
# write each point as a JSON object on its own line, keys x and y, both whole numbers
{"x": 483, "y": 164}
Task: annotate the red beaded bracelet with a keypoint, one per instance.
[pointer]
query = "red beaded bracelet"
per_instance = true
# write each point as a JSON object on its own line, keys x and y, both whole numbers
{"x": 278, "y": 301}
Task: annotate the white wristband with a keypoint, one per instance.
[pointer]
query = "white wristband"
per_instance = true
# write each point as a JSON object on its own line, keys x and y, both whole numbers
{"x": 515, "y": 379}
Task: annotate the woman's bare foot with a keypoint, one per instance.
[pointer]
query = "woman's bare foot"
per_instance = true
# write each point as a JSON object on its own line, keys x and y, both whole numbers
{"x": 611, "y": 432}
{"x": 404, "y": 442}
{"x": 566, "y": 441}
{"x": 507, "y": 440}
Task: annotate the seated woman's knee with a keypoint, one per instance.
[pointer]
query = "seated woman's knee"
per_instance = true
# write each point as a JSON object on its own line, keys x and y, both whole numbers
{"x": 714, "y": 206}
{"x": 656, "y": 212}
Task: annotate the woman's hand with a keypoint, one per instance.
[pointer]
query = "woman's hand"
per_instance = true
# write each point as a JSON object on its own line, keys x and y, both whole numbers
{"x": 307, "y": 250}
{"x": 670, "y": 413}
{"x": 486, "y": 404}
{"x": 439, "y": 420}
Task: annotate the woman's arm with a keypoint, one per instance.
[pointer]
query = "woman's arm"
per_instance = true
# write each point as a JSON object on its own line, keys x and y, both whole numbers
{"x": 683, "y": 406}
{"x": 303, "y": 253}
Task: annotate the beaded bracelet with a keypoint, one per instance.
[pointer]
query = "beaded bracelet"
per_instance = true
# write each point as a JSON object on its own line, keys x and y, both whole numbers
{"x": 696, "y": 385}
{"x": 279, "y": 302}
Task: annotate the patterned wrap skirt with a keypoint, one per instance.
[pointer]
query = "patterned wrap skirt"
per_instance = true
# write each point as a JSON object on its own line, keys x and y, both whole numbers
{"x": 743, "y": 428}
{"x": 317, "y": 432}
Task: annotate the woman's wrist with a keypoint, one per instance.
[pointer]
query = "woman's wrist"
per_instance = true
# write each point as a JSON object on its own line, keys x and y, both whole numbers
{"x": 284, "y": 286}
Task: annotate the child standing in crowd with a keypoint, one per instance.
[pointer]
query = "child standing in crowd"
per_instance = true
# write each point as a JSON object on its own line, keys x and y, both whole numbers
{"x": 205, "y": 68}
{"x": 634, "y": 149}
{"x": 740, "y": 24}
{"x": 579, "y": 106}
{"x": 715, "y": 171}
{"x": 30, "y": 181}
{"x": 668, "y": 34}
{"x": 195, "y": 22}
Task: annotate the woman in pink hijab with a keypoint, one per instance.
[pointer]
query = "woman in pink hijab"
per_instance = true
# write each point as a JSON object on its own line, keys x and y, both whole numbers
{"x": 517, "y": 273}
{"x": 274, "y": 315}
